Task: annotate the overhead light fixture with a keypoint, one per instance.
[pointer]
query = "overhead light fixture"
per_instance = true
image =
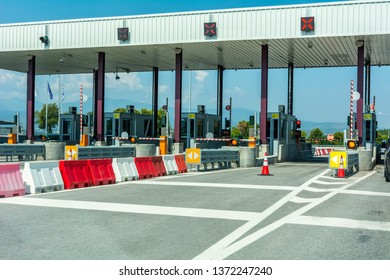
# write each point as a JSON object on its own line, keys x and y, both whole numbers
{"x": 310, "y": 44}
{"x": 178, "y": 50}
{"x": 359, "y": 43}
{"x": 44, "y": 40}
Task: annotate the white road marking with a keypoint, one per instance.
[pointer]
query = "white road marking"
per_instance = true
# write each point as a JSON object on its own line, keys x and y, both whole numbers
{"x": 133, "y": 208}
{"x": 328, "y": 183}
{"x": 235, "y": 247}
{"x": 215, "y": 185}
{"x": 340, "y": 222}
{"x": 357, "y": 192}
{"x": 215, "y": 251}
{"x": 298, "y": 199}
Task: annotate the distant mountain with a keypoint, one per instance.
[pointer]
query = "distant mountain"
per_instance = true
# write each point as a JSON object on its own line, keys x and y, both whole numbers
{"x": 326, "y": 127}
{"x": 240, "y": 114}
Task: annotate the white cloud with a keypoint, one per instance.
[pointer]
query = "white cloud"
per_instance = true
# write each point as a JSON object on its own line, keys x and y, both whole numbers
{"x": 236, "y": 91}
{"x": 130, "y": 81}
{"x": 201, "y": 76}
{"x": 163, "y": 88}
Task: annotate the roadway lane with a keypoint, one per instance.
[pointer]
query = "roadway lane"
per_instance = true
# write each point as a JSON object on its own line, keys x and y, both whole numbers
{"x": 298, "y": 213}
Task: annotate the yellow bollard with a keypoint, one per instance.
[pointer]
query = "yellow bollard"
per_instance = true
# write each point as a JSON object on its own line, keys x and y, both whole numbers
{"x": 12, "y": 138}
{"x": 84, "y": 140}
{"x": 252, "y": 142}
{"x": 163, "y": 145}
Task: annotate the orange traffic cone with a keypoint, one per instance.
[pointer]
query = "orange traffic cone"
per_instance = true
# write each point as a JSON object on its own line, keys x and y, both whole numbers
{"x": 341, "y": 171}
{"x": 265, "y": 169}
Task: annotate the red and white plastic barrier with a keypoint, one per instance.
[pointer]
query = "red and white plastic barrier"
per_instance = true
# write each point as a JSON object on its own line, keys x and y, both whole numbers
{"x": 124, "y": 169}
{"x": 11, "y": 182}
{"x": 42, "y": 176}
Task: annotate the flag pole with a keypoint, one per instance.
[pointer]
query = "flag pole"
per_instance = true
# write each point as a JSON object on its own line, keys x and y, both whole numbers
{"x": 46, "y": 108}
{"x": 59, "y": 102}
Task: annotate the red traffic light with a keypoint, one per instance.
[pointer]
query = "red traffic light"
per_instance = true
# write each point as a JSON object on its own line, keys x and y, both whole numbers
{"x": 299, "y": 124}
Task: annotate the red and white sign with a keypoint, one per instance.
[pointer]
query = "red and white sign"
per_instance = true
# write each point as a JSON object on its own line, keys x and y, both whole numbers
{"x": 330, "y": 137}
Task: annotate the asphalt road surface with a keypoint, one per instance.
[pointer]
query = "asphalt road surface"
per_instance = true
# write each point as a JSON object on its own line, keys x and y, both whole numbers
{"x": 299, "y": 213}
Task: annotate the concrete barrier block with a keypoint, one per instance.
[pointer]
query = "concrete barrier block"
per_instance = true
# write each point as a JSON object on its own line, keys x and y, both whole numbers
{"x": 170, "y": 164}
{"x": 43, "y": 176}
{"x": 11, "y": 183}
{"x": 124, "y": 169}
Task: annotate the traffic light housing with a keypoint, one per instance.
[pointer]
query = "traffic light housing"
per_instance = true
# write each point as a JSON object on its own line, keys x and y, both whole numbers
{"x": 352, "y": 144}
{"x": 299, "y": 124}
{"x": 133, "y": 139}
{"x": 227, "y": 123}
{"x": 234, "y": 141}
{"x": 252, "y": 120}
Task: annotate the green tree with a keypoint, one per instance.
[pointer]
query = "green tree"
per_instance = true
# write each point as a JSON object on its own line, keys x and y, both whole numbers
{"x": 52, "y": 117}
{"x": 241, "y": 129}
{"x": 338, "y": 138}
{"x": 316, "y": 133}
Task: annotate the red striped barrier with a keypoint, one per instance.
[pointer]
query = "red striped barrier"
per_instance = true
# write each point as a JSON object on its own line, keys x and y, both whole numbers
{"x": 181, "y": 164}
{"x": 145, "y": 167}
{"x": 158, "y": 164}
{"x": 75, "y": 174}
{"x": 101, "y": 171}
{"x": 11, "y": 182}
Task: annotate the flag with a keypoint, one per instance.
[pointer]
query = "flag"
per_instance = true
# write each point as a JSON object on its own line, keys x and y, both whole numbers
{"x": 49, "y": 91}
{"x": 63, "y": 93}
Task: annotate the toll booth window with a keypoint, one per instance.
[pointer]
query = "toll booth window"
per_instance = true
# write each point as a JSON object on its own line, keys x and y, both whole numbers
{"x": 66, "y": 127}
{"x": 148, "y": 128}
{"x": 368, "y": 131}
{"x": 126, "y": 126}
{"x": 109, "y": 126}
{"x": 283, "y": 129}
{"x": 183, "y": 125}
{"x": 116, "y": 127}
{"x": 276, "y": 128}
{"x": 200, "y": 126}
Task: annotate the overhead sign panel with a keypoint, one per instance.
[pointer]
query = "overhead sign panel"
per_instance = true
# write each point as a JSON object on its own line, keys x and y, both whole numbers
{"x": 210, "y": 29}
{"x": 307, "y": 24}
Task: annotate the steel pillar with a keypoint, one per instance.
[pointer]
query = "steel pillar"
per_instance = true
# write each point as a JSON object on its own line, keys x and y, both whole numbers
{"x": 360, "y": 89}
{"x": 178, "y": 93}
{"x": 264, "y": 94}
{"x": 290, "y": 89}
{"x": 220, "y": 91}
{"x": 155, "y": 101}
{"x": 367, "y": 96}
{"x": 30, "y": 98}
{"x": 99, "y": 98}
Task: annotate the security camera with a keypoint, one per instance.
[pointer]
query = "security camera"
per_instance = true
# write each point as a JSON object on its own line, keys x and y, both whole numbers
{"x": 44, "y": 39}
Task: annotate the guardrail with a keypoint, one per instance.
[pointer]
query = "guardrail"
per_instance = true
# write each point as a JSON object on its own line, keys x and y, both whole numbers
{"x": 222, "y": 157}
{"x": 22, "y": 151}
{"x": 90, "y": 152}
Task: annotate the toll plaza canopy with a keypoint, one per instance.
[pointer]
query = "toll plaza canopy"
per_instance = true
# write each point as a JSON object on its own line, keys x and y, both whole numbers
{"x": 310, "y": 35}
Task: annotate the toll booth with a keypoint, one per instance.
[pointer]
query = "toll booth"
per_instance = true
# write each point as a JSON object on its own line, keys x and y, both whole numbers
{"x": 199, "y": 124}
{"x": 133, "y": 124}
{"x": 114, "y": 124}
{"x": 70, "y": 125}
{"x": 369, "y": 130}
{"x": 280, "y": 130}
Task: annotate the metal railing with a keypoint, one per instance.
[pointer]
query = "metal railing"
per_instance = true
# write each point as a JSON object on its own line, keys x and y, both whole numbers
{"x": 105, "y": 152}
{"x": 22, "y": 151}
{"x": 222, "y": 157}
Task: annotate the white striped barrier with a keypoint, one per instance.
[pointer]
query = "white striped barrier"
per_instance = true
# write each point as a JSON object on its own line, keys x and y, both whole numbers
{"x": 170, "y": 164}
{"x": 43, "y": 176}
{"x": 124, "y": 169}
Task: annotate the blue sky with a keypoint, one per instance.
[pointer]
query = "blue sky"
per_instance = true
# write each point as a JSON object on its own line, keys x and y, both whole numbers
{"x": 320, "y": 95}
